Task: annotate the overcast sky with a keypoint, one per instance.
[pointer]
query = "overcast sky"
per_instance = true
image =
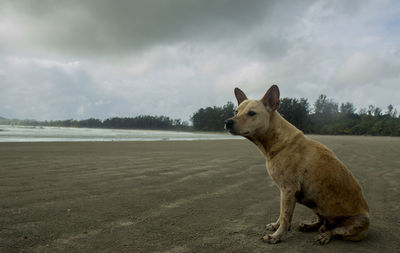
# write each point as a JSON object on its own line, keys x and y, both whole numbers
{"x": 81, "y": 59}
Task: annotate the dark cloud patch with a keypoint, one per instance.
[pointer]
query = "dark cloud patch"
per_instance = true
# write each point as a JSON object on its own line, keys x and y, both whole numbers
{"x": 110, "y": 27}
{"x": 98, "y": 58}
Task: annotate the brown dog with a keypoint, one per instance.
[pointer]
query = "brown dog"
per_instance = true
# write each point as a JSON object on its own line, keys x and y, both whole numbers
{"x": 304, "y": 170}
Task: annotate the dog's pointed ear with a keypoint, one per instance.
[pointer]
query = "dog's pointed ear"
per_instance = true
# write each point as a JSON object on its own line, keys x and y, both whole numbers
{"x": 271, "y": 98}
{"x": 240, "y": 96}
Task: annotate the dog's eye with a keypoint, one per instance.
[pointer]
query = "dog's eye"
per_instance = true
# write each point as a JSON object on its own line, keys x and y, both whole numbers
{"x": 251, "y": 113}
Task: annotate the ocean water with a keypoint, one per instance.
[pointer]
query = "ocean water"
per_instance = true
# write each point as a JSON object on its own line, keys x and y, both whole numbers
{"x": 65, "y": 134}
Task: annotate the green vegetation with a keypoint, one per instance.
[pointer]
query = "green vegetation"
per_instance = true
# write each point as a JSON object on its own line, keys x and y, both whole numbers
{"x": 330, "y": 118}
{"x": 212, "y": 118}
{"x": 139, "y": 122}
{"x": 325, "y": 117}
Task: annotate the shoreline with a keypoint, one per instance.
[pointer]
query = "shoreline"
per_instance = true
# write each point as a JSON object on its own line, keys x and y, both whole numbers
{"x": 227, "y": 138}
{"x": 67, "y": 134}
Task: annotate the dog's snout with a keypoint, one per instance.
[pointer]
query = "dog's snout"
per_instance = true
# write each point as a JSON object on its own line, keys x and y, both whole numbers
{"x": 229, "y": 124}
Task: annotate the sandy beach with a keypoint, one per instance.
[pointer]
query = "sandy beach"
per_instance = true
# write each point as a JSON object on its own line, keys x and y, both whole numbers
{"x": 175, "y": 196}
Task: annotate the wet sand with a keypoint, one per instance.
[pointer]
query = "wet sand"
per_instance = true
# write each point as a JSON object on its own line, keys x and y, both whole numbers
{"x": 189, "y": 196}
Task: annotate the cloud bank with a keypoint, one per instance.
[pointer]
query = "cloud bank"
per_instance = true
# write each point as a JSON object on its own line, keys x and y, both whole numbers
{"x": 81, "y": 59}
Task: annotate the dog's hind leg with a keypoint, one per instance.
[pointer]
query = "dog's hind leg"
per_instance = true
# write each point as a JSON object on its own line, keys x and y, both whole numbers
{"x": 303, "y": 227}
{"x": 354, "y": 228}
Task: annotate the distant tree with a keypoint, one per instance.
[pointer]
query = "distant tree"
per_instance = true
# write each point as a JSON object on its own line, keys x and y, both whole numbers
{"x": 90, "y": 123}
{"x": 228, "y": 110}
{"x": 391, "y": 111}
{"x": 326, "y": 106}
{"x": 377, "y": 112}
{"x": 347, "y": 108}
{"x": 212, "y": 118}
{"x": 296, "y": 111}
{"x": 325, "y": 116}
{"x": 362, "y": 111}
{"x": 371, "y": 110}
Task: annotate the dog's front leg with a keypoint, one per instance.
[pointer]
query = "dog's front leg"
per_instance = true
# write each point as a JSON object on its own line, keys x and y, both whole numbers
{"x": 288, "y": 202}
{"x": 273, "y": 226}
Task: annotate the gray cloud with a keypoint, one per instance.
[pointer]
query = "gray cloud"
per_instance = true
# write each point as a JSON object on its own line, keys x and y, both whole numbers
{"x": 80, "y": 59}
{"x": 110, "y": 27}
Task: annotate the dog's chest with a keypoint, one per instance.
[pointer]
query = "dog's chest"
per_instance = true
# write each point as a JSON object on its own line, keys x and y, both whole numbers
{"x": 276, "y": 173}
{"x": 282, "y": 174}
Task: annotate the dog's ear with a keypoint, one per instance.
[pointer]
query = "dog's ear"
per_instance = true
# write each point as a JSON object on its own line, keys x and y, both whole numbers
{"x": 271, "y": 98}
{"x": 240, "y": 96}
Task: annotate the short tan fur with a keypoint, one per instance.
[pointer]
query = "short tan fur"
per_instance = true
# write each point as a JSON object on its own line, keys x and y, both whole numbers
{"x": 305, "y": 171}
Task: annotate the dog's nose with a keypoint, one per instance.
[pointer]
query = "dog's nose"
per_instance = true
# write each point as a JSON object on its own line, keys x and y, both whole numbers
{"x": 229, "y": 124}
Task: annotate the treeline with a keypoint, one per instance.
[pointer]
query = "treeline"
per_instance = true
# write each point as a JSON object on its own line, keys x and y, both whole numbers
{"x": 325, "y": 117}
{"x": 139, "y": 122}
{"x": 328, "y": 117}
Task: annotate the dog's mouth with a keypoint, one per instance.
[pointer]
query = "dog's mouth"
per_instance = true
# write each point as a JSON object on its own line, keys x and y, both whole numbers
{"x": 233, "y": 132}
{"x": 245, "y": 133}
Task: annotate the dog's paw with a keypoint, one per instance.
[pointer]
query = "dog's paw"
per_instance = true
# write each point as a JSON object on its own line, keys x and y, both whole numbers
{"x": 307, "y": 227}
{"x": 272, "y": 226}
{"x": 304, "y": 227}
{"x": 324, "y": 238}
{"x": 271, "y": 239}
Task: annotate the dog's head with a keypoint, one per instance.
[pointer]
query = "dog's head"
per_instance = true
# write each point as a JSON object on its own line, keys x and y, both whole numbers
{"x": 253, "y": 116}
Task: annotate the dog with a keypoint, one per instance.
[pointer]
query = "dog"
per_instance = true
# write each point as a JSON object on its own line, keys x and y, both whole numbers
{"x": 306, "y": 172}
